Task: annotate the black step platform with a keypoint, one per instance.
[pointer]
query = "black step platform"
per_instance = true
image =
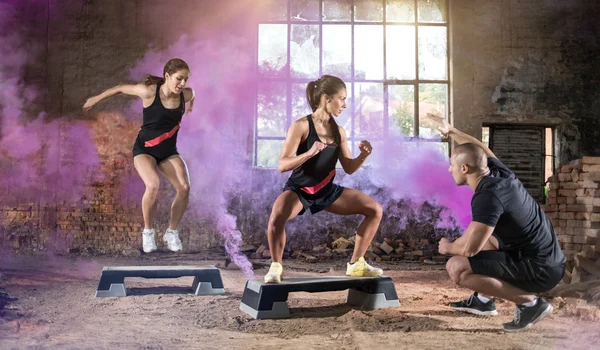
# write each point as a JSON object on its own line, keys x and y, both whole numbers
{"x": 207, "y": 280}
{"x": 269, "y": 300}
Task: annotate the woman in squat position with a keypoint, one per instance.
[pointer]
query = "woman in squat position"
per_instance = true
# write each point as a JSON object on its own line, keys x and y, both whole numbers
{"x": 312, "y": 148}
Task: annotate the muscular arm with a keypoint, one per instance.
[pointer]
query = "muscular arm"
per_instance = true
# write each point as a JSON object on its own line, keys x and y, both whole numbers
{"x": 348, "y": 164}
{"x": 457, "y": 135}
{"x": 140, "y": 90}
{"x": 473, "y": 240}
{"x": 460, "y": 138}
{"x": 189, "y": 96}
{"x": 288, "y": 159}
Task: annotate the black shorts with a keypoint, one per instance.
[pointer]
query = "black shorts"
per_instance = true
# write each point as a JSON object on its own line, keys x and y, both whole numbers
{"x": 159, "y": 152}
{"x": 318, "y": 201}
{"x": 521, "y": 272}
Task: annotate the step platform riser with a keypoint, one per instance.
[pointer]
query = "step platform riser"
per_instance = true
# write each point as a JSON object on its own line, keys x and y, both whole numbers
{"x": 207, "y": 280}
{"x": 269, "y": 300}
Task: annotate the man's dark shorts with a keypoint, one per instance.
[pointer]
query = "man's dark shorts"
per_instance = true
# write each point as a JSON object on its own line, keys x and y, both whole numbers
{"x": 521, "y": 272}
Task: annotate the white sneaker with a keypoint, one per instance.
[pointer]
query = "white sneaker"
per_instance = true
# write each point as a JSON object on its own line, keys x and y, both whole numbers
{"x": 361, "y": 269}
{"x": 275, "y": 272}
{"x": 148, "y": 243}
{"x": 171, "y": 237}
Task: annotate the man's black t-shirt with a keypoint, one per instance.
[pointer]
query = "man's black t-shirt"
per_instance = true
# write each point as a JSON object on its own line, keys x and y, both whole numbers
{"x": 521, "y": 227}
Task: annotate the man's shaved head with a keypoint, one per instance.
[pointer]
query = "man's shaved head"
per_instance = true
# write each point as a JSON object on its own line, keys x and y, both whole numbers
{"x": 471, "y": 155}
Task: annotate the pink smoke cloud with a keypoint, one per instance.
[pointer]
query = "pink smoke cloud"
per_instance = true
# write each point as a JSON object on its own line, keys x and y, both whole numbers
{"x": 418, "y": 171}
{"x": 211, "y": 140}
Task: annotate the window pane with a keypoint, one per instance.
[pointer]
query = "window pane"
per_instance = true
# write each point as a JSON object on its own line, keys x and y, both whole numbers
{"x": 304, "y": 10}
{"x": 444, "y": 148}
{"x": 337, "y": 50}
{"x": 485, "y": 136}
{"x": 401, "y": 110}
{"x": 368, "y": 52}
{"x": 549, "y": 153}
{"x": 336, "y": 10}
{"x": 400, "y": 11}
{"x": 433, "y": 11}
{"x": 300, "y": 107}
{"x": 425, "y": 146}
{"x": 368, "y": 10}
{"x": 304, "y": 51}
{"x": 375, "y": 157}
{"x": 272, "y": 49}
{"x": 417, "y": 149}
{"x": 368, "y": 117}
{"x": 400, "y": 52}
{"x": 271, "y": 109}
{"x": 432, "y": 53}
{"x": 433, "y": 98}
{"x": 273, "y": 10}
{"x": 268, "y": 152}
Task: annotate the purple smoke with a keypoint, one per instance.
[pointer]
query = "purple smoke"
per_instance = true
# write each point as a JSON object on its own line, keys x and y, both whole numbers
{"x": 209, "y": 141}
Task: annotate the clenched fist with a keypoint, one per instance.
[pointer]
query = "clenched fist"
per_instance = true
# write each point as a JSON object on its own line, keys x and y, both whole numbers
{"x": 365, "y": 148}
{"x": 316, "y": 148}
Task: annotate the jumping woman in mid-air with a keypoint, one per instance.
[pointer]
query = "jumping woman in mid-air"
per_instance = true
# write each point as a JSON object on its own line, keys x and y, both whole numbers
{"x": 155, "y": 147}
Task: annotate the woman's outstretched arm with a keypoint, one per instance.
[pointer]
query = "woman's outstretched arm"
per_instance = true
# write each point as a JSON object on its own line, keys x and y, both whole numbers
{"x": 140, "y": 90}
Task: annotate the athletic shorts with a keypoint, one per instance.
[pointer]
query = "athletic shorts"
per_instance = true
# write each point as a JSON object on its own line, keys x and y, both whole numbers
{"x": 318, "y": 201}
{"x": 521, "y": 272}
{"x": 159, "y": 152}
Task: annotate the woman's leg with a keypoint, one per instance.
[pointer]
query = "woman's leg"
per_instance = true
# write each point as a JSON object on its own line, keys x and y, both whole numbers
{"x": 355, "y": 202}
{"x": 146, "y": 168}
{"x": 286, "y": 207}
{"x": 176, "y": 171}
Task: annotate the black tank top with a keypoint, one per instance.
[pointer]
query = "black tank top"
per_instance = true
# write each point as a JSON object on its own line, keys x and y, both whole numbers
{"x": 161, "y": 123}
{"x": 318, "y": 171}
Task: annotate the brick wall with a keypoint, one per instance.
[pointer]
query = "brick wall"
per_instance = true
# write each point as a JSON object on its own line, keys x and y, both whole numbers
{"x": 573, "y": 205}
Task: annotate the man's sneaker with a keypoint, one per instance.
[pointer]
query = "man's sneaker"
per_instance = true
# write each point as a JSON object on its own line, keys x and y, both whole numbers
{"x": 275, "y": 272}
{"x": 526, "y": 316}
{"x": 171, "y": 237}
{"x": 361, "y": 269}
{"x": 475, "y": 306}
{"x": 148, "y": 243}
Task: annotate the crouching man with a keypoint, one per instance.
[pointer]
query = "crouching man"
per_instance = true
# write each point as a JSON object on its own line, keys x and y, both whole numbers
{"x": 510, "y": 249}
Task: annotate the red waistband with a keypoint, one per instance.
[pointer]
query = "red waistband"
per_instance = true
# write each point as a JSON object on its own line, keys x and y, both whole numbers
{"x": 155, "y": 141}
{"x": 314, "y": 189}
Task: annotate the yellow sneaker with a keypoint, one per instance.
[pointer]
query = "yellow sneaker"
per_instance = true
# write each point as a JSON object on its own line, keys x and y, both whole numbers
{"x": 275, "y": 272}
{"x": 361, "y": 269}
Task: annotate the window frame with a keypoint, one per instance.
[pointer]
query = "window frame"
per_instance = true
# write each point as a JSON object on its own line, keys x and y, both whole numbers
{"x": 352, "y": 81}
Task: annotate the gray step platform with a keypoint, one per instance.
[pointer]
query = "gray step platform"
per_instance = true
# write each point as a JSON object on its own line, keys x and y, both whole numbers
{"x": 207, "y": 280}
{"x": 269, "y": 300}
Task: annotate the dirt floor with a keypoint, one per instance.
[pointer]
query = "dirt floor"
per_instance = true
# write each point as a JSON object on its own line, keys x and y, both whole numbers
{"x": 49, "y": 303}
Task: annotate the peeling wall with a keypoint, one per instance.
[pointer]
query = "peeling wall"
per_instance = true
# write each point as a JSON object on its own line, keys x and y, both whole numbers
{"x": 529, "y": 62}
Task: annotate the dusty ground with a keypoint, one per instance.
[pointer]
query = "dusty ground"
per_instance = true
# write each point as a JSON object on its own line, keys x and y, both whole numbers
{"x": 49, "y": 303}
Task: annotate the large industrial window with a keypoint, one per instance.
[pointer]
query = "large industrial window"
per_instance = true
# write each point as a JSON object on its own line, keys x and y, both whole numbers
{"x": 390, "y": 53}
